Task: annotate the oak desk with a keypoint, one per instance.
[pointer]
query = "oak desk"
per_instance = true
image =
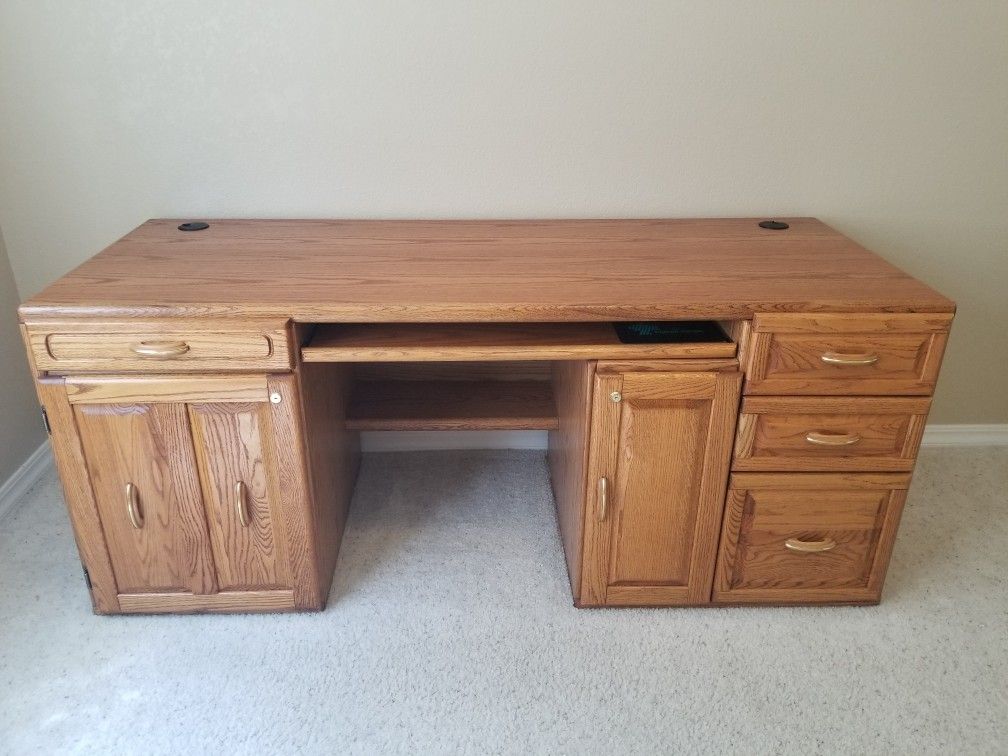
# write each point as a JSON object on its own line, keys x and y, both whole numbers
{"x": 205, "y": 392}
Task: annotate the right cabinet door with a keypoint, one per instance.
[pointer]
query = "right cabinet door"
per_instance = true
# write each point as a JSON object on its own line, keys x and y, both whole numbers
{"x": 234, "y": 446}
{"x": 660, "y": 449}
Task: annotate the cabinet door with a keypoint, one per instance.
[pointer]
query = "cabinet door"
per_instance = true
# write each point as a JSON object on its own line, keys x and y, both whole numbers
{"x": 143, "y": 474}
{"x": 235, "y": 452}
{"x": 660, "y": 450}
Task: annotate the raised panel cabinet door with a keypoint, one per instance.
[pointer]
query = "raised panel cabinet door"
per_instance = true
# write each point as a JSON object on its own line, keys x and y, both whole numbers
{"x": 234, "y": 446}
{"x": 143, "y": 474}
{"x": 660, "y": 450}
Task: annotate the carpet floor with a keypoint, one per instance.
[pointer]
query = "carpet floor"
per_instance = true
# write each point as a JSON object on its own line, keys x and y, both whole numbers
{"x": 450, "y": 630}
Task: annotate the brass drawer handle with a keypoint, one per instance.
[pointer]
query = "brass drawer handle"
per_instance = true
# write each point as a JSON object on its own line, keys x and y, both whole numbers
{"x": 603, "y": 498}
{"x": 832, "y": 439}
{"x": 843, "y": 358}
{"x": 160, "y": 350}
{"x": 133, "y": 506}
{"x": 241, "y": 503}
{"x": 810, "y": 547}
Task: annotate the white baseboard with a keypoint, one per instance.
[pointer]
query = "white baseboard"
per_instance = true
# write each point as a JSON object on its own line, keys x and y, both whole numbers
{"x": 966, "y": 435}
{"x": 26, "y": 476}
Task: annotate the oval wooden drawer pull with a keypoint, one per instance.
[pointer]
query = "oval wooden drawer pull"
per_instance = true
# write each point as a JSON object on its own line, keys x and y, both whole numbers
{"x": 241, "y": 503}
{"x": 810, "y": 547}
{"x": 160, "y": 350}
{"x": 133, "y": 506}
{"x": 832, "y": 439}
{"x": 845, "y": 358}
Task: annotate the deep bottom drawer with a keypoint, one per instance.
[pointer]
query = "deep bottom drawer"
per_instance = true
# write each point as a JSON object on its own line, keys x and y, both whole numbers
{"x": 807, "y": 538}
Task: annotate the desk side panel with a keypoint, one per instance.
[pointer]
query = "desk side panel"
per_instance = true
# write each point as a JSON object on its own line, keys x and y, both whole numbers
{"x": 79, "y": 496}
{"x": 568, "y": 458}
{"x": 333, "y": 457}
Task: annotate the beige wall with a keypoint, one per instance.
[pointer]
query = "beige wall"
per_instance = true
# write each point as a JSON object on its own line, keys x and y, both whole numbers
{"x": 887, "y": 120}
{"x": 20, "y": 425}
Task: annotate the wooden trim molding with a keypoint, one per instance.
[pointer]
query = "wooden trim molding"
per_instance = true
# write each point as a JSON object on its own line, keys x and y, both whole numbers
{"x": 154, "y": 388}
{"x": 225, "y": 601}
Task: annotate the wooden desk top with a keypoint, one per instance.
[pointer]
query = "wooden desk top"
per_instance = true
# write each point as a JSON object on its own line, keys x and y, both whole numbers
{"x": 555, "y": 270}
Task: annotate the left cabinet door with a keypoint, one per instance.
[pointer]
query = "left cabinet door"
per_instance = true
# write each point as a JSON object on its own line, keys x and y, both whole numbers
{"x": 142, "y": 466}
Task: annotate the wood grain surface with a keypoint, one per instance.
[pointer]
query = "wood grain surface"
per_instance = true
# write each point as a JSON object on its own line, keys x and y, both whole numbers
{"x": 118, "y": 389}
{"x": 551, "y": 270}
{"x": 223, "y": 602}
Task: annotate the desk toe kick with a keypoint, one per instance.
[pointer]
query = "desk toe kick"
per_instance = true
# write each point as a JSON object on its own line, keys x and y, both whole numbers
{"x": 209, "y": 466}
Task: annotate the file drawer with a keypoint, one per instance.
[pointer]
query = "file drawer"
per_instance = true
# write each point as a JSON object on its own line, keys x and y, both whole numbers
{"x": 807, "y": 538}
{"x": 836, "y": 354}
{"x": 829, "y": 434}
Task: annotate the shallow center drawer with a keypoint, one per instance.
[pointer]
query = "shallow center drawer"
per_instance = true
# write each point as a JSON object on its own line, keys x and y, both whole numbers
{"x": 826, "y": 434}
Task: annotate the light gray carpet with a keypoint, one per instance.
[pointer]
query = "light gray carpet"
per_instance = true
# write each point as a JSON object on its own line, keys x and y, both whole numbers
{"x": 450, "y": 630}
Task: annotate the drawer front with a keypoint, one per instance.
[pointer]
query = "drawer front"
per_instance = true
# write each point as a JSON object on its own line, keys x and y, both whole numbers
{"x": 807, "y": 538}
{"x": 846, "y": 354}
{"x": 125, "y": 348}
{"x": 829, "y": 434}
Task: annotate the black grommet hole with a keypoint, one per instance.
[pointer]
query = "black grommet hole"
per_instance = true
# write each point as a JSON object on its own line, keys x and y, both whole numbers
{"x": 193, "y": 226}
{"x": 774, "y": 225}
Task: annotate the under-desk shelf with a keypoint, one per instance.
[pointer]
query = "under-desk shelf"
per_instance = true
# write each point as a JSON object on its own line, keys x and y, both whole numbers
{"x": 451, "y": 405}
{"x": 463, "y": 342}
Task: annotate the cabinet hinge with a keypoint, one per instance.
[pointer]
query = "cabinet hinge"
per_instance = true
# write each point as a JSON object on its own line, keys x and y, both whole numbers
{"x": 45, "y": 422}
{"x": 87, "y": 577}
